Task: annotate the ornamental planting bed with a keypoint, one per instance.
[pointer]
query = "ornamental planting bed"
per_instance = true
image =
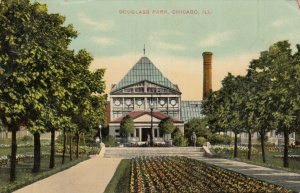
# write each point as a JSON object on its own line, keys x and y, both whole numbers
{"x": 181, "y": 174}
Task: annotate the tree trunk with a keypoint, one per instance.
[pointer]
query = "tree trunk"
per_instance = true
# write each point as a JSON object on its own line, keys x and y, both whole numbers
{"x": 70, "y": 146}
{"x": 52, "y": 151}
{"x": 235, "y": 144}
{"x": 262, "y": 141}
{"x": 64, "y": 146}
{"x": 13, "y": 157}
{"x": 37, "y": 153}
{"x": 286, "y": 149}
{"x": 77, "y": 145}
{"x": 249, "y": 144}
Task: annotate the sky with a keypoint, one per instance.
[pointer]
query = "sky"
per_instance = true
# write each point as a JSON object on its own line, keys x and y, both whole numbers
{"x": 176, "y": 33}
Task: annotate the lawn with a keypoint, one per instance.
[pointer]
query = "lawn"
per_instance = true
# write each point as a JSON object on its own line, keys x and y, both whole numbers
{"x": 23, "y": 170}
{"x": 256, "y": 158}
{"x": 181, "y": 174}
{"x": 24, "y": 175}
{"x": 4, "y": 151}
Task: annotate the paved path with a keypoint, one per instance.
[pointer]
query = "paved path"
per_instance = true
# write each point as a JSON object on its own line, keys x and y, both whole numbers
{"x": 91, "y": 176}
{"x": 286, "y": 179}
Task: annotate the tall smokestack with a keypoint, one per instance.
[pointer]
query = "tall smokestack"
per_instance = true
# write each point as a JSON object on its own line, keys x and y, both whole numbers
{"x": 207, "y": 77}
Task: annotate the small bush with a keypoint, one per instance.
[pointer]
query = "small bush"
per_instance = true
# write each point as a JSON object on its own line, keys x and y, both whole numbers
{"x": 220, "y": 139}
{"x": 179, "y": 140}
{"x": 110, "y": 141}
{"x": 82, "y": 149}
{"x": 201, "y": 140}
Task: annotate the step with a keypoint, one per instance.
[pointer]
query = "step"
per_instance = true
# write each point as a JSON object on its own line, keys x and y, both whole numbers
{"x": 130, "y": 152}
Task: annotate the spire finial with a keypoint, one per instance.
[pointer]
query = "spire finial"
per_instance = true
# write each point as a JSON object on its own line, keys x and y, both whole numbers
{"x": 144, "y": 50}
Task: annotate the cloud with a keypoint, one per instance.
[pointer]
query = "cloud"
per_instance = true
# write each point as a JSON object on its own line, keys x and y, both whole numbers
{"x": 103, "y": 41}
{"x": 104, "y": 25}
{"x": 187, "y": 73}
{"x": 281, "y": 22}
{"x": 215, "y": 39}
{"x": 158, "y": 39}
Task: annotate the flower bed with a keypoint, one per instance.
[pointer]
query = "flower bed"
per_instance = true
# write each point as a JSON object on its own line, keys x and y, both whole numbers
{"x": 82, "y": 150}
{"x": 180, "y": 174}
{"x": 228, "y": 150}
{"x": 28, "y": 144}
{"x": 4, "y": 160}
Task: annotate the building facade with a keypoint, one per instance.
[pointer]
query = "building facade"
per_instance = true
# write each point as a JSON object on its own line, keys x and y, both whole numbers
{"x": 147, "y": 96}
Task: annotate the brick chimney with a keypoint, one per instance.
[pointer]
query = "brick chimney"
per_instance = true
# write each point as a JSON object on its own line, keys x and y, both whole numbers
{"x": 207, "y": 76}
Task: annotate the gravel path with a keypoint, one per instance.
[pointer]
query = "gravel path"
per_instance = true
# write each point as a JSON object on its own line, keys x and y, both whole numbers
{"x": 91, "y": 176}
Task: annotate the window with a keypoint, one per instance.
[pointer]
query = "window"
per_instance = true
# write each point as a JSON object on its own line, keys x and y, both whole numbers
{"x": 155, "y": 133}
{"x": 128, "y": 90}
{"x": 117, "y": 114}
{"x": 151, "y": 90}
{"x": 139, "y": 90}
{"x": 161, "y": 134}
{"x": 137, "y": 132}
{"x": 117, "y": 130}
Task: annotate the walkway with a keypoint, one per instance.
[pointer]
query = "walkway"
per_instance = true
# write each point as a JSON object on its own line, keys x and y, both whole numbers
{"x": 91, "y": 176}
{"x": 286, "y": 179}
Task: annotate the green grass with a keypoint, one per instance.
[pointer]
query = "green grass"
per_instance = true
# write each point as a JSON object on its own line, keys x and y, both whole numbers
{"x": 271, "y": 162}
{"x": 25, "y": 177}
{"x": 120, "y": 181}
{"x": 7, "y": 141}
{"x": 4, "y": 151}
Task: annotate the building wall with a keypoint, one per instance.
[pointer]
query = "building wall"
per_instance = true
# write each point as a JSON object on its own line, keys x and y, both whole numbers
{"x": 272, "y": 138}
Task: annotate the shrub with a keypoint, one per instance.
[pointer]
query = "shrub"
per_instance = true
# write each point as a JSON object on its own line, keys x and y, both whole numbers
{"x": 220, "y": 139}
{"x": 201, "y": 140}
{"x": 179, "y": 140}
{"x": 110, "y": 141}
{"x": 82, "y": 149}
{"x": 26, "y": 138}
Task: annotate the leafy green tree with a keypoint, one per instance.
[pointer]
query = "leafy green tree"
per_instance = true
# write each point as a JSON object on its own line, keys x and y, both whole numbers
{"x": 30, "y": 39}
{"x": 222, "y": 108}
{"x": 232, "y": 114}
{"x": 261, "y": 106}
{"x": 280, "y": 68}
{"x": 166, "y": 125}
{"x": 126, "y": 126}
{"x": 86, "y": 94}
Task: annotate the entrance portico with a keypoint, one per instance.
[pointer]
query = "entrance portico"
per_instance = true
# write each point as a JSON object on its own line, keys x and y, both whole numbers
{"x": 142, "y": 131}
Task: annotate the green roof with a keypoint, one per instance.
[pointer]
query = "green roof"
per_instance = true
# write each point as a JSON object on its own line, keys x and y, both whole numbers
{"x": 190, "y": 110}
{"x": 144, "y": 70}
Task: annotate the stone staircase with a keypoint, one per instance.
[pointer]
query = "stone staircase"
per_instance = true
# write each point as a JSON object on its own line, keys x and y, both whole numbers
{"x": 131, "y": 152}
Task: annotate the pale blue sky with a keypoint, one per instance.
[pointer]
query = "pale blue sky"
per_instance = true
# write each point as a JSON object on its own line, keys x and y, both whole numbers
{"x": 234, "y": 30}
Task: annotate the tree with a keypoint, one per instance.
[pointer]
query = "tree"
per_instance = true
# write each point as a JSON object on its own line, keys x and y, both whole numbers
{"x": 166, "y": 125}
{"x": 262, "y": 107}
{"x": 280, "y": 68}
{"x": 231, "y": 92}
{"x": 29, "y": 40}
{"x": 126, "y": 126}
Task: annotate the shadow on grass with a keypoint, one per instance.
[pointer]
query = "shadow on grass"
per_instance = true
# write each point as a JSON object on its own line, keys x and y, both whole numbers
{"x": 120, "y": 181}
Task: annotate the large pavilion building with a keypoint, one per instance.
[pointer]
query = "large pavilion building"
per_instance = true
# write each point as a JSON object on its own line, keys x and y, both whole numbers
{"x": 147, "y": 96}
